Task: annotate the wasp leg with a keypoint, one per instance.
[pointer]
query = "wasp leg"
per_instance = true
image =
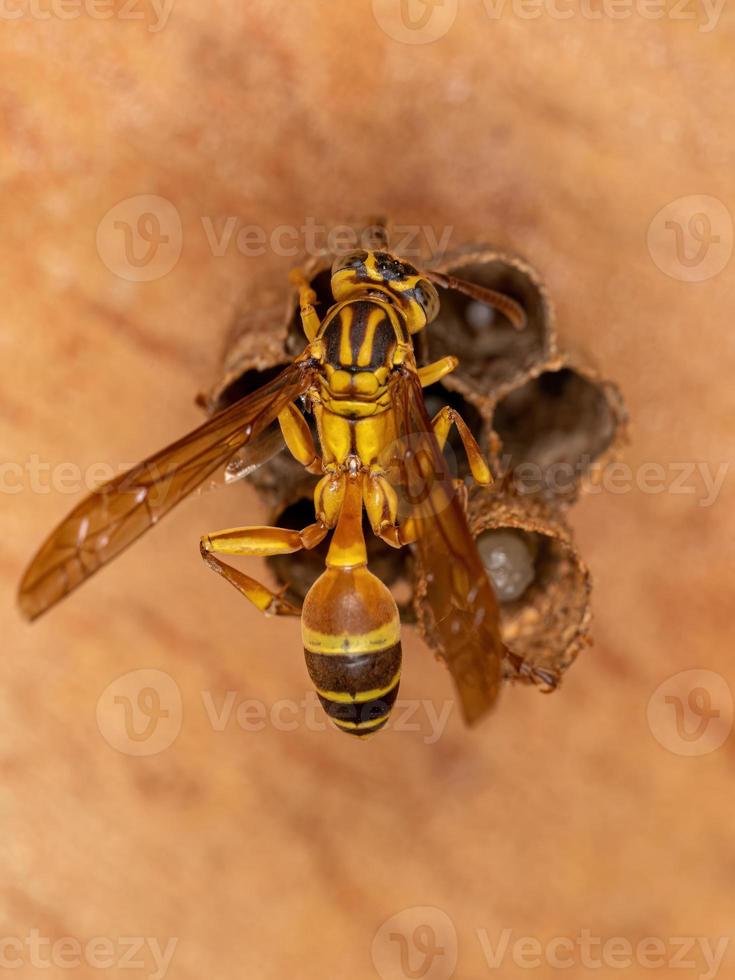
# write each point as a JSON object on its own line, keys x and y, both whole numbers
{"x": 307, "y": 297}
{"x": 432, "y": 373}
{"x": 524, "y": 671}
{"x": 398, "y": 535}
{"x": 259, "y": 541}
{"x": 442, "y": 423}
{"x": 298, "y": 438}
{"x": 463, "y": 494}
{"x": 381, "y": 505}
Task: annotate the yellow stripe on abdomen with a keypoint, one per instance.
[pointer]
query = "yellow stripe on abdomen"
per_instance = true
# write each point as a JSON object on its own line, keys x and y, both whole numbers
{"x": 357, "y": 691}
{"x": 360, "y": 697}
{"x": 340, "y": 643}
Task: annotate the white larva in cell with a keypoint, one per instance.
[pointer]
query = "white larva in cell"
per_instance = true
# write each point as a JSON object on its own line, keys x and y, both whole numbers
{"x": 478, "y": 315}
{"x": 484, "y": 325}
{"x": 508, "y": 558}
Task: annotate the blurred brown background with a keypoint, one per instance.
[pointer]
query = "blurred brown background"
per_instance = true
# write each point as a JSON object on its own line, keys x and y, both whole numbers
{"x": 267, "y": 844}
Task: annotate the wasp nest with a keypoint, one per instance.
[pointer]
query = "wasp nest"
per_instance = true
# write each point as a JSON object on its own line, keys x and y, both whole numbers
{"x": 547, "y": 420}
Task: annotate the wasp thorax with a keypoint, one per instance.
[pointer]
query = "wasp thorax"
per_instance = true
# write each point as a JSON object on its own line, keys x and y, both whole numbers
{"x": 351, "y": 632}
{"x": 357, "y": 383}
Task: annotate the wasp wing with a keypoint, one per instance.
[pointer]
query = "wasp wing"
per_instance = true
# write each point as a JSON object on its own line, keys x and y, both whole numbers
{"x": 117, "y": 513}
{"x": 260, "y": 450}
{"x": 460, "y": 611}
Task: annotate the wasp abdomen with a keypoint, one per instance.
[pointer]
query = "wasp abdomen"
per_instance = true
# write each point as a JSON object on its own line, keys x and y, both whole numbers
{"x": 351, "y": 633}
{"x": 357, "y": 691}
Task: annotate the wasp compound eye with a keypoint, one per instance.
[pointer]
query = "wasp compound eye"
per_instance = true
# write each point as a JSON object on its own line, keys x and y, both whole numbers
{"x": 427, "y": 297}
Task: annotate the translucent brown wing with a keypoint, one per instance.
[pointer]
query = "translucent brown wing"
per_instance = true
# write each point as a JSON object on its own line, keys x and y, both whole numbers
{"x": 460, "y": 610}
{"x": 117, "y": 513}
{"x": 261, "y": 449}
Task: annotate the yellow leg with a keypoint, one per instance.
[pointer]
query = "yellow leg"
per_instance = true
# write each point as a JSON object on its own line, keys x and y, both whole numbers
{"x": 260, "y": 541}
{"x": 329, "y": 495}
{"x": 307, "y": 297}
{"x": 442, "y": 423}
{"x": 432, "y": 373}
{"x": 381, "y": 501}
{"x": 398, "y": 535}
{"x": 298, "y": 438}
{"x": 381, "y": 505}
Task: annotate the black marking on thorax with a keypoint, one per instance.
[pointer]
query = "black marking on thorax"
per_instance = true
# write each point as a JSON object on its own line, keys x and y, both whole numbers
{"x": 359, "y": 337}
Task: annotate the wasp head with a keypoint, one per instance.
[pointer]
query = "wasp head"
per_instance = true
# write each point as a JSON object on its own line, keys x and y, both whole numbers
{"x": 401, "y": 283}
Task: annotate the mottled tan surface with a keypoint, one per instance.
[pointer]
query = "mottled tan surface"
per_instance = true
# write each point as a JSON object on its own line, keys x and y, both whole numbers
{"x": 280, "y": 853}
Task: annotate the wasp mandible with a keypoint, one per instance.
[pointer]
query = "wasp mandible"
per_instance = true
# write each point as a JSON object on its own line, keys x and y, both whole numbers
{"x": 378, "y": 452}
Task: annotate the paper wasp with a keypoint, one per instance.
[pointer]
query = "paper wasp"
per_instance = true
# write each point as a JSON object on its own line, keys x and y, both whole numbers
{"x": 378, "y": 452}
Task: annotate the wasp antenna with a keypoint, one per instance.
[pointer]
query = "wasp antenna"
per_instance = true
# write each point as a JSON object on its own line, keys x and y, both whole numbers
{"x": 499, "y": 301}
{"x": 377, "y": 232}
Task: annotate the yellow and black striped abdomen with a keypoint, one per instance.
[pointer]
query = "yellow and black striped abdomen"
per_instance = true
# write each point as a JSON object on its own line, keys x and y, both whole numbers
{"x": 357, "y": 690}
{"x": 351, "y": 632}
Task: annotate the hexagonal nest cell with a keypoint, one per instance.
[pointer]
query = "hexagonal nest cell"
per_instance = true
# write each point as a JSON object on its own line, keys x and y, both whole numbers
{"x": 544, "y": 587}
{"x": 552, "y": 429}
{"x": 493, "y": 354}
